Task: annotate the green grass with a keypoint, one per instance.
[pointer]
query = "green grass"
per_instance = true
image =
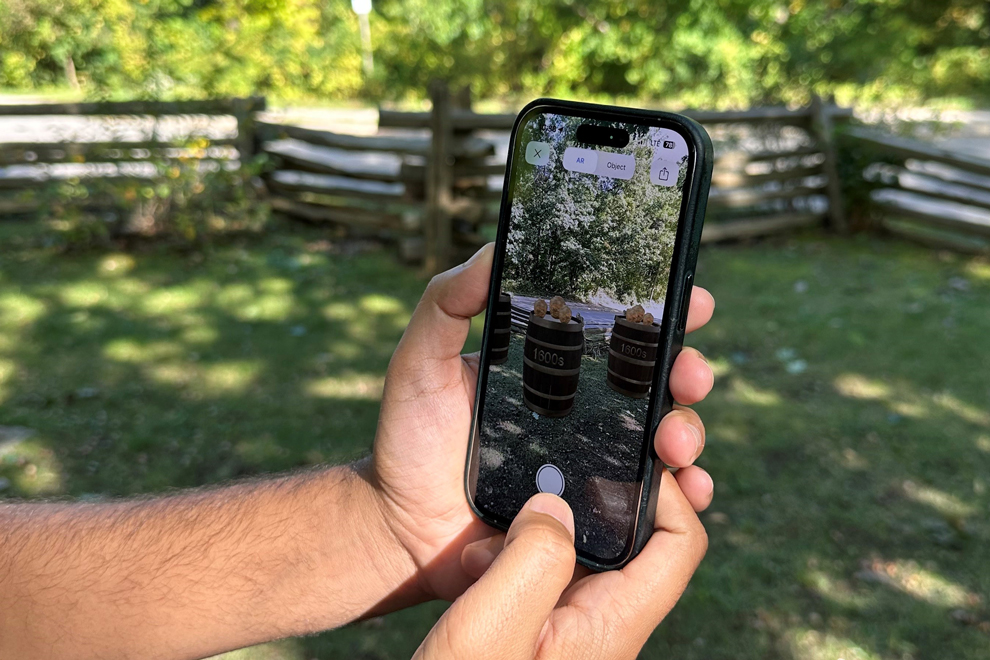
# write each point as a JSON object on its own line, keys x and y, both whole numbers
{"x": 849, "y": 432}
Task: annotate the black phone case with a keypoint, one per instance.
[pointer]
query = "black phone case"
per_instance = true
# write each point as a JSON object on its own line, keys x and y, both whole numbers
{"x": 685, "y": 257}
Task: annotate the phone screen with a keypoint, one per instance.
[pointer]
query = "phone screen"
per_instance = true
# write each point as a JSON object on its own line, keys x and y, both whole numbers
{"x": 572, "y": 344}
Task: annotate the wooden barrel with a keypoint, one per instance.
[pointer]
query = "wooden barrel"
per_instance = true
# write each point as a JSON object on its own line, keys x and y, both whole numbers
{"x": 551, "y": 364}
{"x": 631, "y": 356}
{"x": 502, "y": 323}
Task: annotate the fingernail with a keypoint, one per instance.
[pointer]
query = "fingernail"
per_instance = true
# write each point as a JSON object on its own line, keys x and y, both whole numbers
{"x": 483, "y": 552}
{"x": 555, "y": 507}
{"x": 477, "y": 255}
{"x": 698, "y": 440}
{"x": 711, "y": 483}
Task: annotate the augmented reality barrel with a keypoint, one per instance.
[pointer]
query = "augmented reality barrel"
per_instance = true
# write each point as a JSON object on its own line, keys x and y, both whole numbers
{"x": 501, "y": 333}
{"x": 632, "y": 354}
{"x": 552, "y": 364}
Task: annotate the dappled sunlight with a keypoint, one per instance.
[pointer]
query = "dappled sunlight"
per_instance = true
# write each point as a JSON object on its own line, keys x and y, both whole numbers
{"x": 126, "y": 291}
{"x": 897, "y": 399}
{"x": 946, "y": 504}
{"x": 265, "y": 307}
{"x": 727, "y": 433}
{"x": 170, "y": 301}
{"x": 376, "y": 303}
{"x": 810, "y": 644}
{"x": 31, "y": 467}
{"x": 230, "y": 377}
{"x": 370, "y": 309}
{"x": 352, "y": 386}
{"x": 8, "y": 368}
{"x": 276, "y": 285}
{"x": 346, "y": 349}
{"x": 970, "y": 413}
{"x": 83, "y": 294}
{"x": 743, "y": 391}
{"x": 200, "y": 333}
{"x": 834, "y": 589}
{"x": 18, "y": 309}
{"x": 851, "y": 459}
{"x": 115, "y": 264}
{"x": 286, "y": 649}
{"x": 906, "y": 576}
{"x": 340, "y": 311}
{"x": 268, "y": 299}
{"x": 903, "y": 400}
{"x": 720, "y": 367}
{"x": 978, "y": 268}
{"x": 983, "y": 443}
{"x": 136, "y": 352}
{"x": 857, "y": 386}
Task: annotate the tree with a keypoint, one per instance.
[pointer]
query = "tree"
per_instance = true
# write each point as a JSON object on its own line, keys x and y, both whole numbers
{"x": 581, "y": 235}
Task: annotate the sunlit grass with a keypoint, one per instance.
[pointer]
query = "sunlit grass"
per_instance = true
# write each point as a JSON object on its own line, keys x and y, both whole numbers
{"x": 847, "y": 434}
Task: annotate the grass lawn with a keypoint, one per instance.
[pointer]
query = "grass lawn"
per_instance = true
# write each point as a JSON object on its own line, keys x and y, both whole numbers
{"x": 849, "y": 432}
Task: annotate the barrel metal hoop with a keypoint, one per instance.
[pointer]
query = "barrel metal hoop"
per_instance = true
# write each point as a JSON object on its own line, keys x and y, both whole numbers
{"x": 648, "y": 344}
{"x": 630, "y": 380}
{"x": 550, "y": 370}
{"x": 558, "y": 347}
{"x": 552, "y": 397}
{"x": 626, "y": 358}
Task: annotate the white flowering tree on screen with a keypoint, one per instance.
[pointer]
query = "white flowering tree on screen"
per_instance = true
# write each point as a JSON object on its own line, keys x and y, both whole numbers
{"x": 581, "y": 235}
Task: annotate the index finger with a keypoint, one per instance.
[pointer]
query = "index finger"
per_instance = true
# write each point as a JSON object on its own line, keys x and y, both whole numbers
{"x": 701, "y": 309}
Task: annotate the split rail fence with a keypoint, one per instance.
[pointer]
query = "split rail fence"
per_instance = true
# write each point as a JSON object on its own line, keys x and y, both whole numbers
{"x": 432, "y": 180}
{"x": 116, "y": 140}
{"x": 437, "y": 187}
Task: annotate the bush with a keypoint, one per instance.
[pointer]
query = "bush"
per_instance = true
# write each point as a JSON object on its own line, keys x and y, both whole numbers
{"x": 184, "y": 199}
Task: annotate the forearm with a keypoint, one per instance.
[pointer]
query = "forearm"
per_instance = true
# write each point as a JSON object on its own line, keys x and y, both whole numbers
{"x": 195, "y": 574}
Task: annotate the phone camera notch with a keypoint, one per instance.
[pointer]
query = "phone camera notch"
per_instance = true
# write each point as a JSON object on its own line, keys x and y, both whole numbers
{"x": 602, "y": 136}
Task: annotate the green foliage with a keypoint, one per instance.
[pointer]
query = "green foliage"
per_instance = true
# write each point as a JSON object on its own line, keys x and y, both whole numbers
{"x": 183, "y": 200}
{"x": 689, "y": 52}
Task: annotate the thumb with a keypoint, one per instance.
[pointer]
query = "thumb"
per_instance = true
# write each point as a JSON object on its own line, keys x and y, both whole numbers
{"x": 503, "y": 615}
{"x": 439, "y": 326}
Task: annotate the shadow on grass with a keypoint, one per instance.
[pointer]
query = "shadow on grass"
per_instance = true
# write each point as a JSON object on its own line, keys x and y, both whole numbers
{"x": 849, "y": 435}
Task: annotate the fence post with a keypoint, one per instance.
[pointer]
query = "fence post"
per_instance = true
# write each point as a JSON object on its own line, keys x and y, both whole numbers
{"x": 437, "y": 229}
{"x": 822, "y": 129}
{"x": 244, "y": 110}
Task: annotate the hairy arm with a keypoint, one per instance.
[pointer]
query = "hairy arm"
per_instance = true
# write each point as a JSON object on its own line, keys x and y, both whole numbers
{"x": 197, "y": 573}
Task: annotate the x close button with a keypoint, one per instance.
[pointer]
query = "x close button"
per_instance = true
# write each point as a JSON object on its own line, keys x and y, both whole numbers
{"x": 537, "y": 153}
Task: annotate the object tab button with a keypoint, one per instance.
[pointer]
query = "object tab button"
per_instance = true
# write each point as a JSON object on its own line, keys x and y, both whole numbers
{"x": 617, "y": 166}
{"x": 549, "y": 479}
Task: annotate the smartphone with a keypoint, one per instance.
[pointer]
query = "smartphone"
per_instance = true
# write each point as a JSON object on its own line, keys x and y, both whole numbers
{"x": 598, "y": 237}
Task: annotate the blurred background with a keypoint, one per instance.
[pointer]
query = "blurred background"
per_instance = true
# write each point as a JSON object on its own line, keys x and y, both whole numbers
{"x": 216, "y": 217}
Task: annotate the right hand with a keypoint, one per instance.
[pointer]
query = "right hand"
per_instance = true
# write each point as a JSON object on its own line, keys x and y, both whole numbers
{"x": 417, "y": 470}
{"x": 526, "y": 605}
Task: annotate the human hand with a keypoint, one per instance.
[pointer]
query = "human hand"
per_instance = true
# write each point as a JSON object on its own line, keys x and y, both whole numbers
{"x": 527, "y": 605}
{"x": 417, "y": 468}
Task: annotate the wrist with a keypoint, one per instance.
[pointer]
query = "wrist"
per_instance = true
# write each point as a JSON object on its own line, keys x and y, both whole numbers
{"x": 389, "y": 557}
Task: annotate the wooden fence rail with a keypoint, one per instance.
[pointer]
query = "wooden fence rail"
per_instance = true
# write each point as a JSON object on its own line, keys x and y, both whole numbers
{"x": 445, "y": 181}
{"x": 433, "y": 179}
{"x": 116, "y": 152}
{"x": 926, "y": 193}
